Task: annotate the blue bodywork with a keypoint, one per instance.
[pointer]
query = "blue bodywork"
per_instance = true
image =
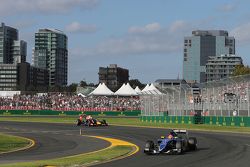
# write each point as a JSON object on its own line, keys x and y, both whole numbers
{"x": 163, "y": 143}
{"x": 167, "y": 144}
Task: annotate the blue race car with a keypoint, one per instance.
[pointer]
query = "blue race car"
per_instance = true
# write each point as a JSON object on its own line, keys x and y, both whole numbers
{"x": 176, "y": 142}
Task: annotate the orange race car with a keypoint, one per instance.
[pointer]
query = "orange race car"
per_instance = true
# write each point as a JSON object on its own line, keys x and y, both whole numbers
{"x": 88, "y": 120}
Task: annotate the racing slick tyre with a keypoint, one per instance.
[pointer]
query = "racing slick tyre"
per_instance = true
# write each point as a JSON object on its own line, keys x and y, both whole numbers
{"x": 94, "y": 121}
{"x": 179, "y": 147}
{"x": 104, "y": 122}
{"x": 79, "y": 122}
{"x": 192, "y": 143}
{"x": 149, "y": 147}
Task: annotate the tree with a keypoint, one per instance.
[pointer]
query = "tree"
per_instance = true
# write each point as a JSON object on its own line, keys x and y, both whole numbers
{"x": 136, "y": 82}
{"x": 92, "y": 85}
{"x": 241, "y": 70}
{"x": 72, "y": 87}
{"x": 83, "y": 83}
{"x": 55, "y": 88}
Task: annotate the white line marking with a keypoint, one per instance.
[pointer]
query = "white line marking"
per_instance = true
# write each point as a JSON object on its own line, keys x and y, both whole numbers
{"x": 248, "y": 145}
{"x": 69, "y": 134}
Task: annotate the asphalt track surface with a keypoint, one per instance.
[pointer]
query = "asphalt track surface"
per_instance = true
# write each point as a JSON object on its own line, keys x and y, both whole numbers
{"x": 57, "y": 140}
{"x": 51, "y": 141}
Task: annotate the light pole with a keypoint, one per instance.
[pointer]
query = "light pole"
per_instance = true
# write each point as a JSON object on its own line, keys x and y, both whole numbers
{"x": 248, "y": 112}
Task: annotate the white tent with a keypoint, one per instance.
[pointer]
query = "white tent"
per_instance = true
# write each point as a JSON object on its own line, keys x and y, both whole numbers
{"x": 138, "y": 90}
{"x": 152, "y": 90}
{"x": 131, "y": 90}
{"x": 126, "y": 90}
{"x": 146, "y": 88}
{"x": 80, "y": 94}
{"x": 102, "y": 90}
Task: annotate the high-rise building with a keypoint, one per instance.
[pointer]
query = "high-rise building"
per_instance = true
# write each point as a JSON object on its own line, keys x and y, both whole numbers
{"x": 219, "y": 67}
{"x": 22, "y": 77}
{"x": 51, "y": 53}
{"x": 31, "y": 78}
{"x": 113, "y": 76}
{"x": 19, "y": 51}
{"x": 199, "y": 47}
{"x": 8, "y": 77}
{"x": 16, "y": 73}
{"x": 11, "y": 49}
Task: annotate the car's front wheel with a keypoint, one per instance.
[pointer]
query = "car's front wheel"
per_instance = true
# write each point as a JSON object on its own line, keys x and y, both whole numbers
{"x": 192, "y": 143}
{"x": 149, "y": 147}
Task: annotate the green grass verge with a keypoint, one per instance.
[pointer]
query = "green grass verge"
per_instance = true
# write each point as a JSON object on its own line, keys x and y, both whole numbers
{"x": 78, "y": 160}
{"x": 11, "y": 143}
{"x": 138, "y": 122}
{"x": 129, "y": 121}
{"x": 54, "y": 119}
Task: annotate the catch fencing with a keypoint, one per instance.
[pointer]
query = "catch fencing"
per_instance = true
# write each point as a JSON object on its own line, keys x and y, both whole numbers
{"x": 226, "y": 97}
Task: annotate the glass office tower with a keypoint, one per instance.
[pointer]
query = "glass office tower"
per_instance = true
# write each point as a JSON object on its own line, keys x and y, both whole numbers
{"x": 51, "y": 53}
{"x": 199, "y": 47}
{"x": 7, "y": 37}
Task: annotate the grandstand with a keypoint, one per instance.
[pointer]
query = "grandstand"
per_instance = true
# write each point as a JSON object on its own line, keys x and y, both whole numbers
{"x": 226, "y": 97}
{"x": 66, "y": 102}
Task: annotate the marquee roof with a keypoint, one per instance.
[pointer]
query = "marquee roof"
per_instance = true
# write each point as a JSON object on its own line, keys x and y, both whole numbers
{"x": 102, "y": 90}
{"x": 126, "y": 90}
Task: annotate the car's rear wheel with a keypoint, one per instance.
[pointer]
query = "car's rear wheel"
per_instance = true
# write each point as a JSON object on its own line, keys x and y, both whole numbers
{"x": 79, "y": 122}
{"x": 192, "y": 143}
{"x": 104, "y": 122}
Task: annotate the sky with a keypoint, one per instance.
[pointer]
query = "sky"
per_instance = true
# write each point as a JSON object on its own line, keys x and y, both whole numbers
{"x": 144, "y": 36}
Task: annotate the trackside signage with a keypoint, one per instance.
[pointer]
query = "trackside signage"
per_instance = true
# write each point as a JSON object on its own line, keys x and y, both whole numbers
{"x": 135, "y": 113}
{"x": 209, "y": 120}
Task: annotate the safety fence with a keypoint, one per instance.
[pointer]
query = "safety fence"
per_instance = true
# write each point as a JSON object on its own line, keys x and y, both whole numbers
{"x": 208, "y": 120}
{"x": 134, "y": 113}
{"x": 227, "y": 97}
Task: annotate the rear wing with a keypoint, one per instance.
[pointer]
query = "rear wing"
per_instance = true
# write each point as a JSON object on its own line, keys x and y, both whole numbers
{"x": 180, "y": 131}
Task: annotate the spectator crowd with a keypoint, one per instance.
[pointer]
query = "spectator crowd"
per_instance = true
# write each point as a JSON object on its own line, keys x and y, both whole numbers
{"x": 58, "y": 101}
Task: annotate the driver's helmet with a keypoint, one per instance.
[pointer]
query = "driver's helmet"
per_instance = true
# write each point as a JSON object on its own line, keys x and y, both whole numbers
{"x": 170, "y": 136}
{"x": 88, "y": 117}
